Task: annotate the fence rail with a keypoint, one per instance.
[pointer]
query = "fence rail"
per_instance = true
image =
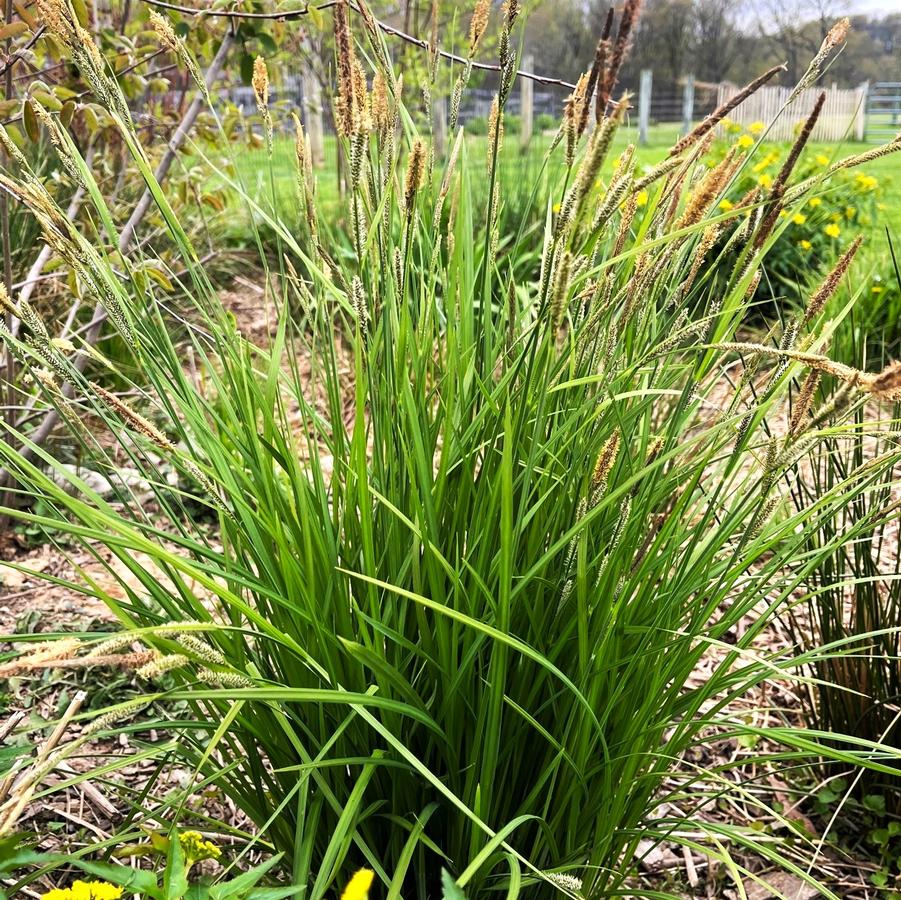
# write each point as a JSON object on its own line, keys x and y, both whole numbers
{"x": 883, "y": 110}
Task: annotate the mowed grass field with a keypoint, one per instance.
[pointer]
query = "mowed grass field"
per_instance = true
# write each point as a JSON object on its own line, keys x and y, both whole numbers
{"x": 280, "y": 183}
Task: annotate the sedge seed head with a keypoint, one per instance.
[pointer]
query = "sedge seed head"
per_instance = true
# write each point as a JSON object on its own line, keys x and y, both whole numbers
{"x": 478, "y": 23}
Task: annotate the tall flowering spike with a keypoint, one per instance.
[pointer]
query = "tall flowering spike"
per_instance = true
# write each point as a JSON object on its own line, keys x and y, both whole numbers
{"x": 572, "y": 116}
{"x": 260, "y": 82}
{"x": 887, "y": 384}
{"x": 620, "y": 48}
{"x": 56, "y": 17}
{"x": 495, "y": 129}
{"x": 834, "y": 38}
{"x": 605, "y": 461}
{"x": 804, "y": 401}
{"x": 344, "y": 51}
{"x": 830, "y": 285}
{"x": 415, "y": 170}
{"x": 477, "y": 24}
{"x": 381, "y": 112}
{"x": 164, "y": 30}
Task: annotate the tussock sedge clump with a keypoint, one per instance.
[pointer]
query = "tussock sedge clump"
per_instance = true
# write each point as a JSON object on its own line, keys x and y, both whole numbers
{"x": 456, "y": 628}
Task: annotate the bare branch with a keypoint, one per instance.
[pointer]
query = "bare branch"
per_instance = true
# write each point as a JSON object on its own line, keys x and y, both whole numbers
{"x": 384, "y": 26}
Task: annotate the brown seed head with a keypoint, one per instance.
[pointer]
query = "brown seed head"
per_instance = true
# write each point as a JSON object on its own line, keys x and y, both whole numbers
{"x": 415, "y": 170}
{"x": 887, "y": 384}
{"x": 478, "y": 23}
{"x": 164, "y": 30}
{"x": 830, "y": 285}
{"x": 381, "y": 113}
{"x": 606, "y": 459}
{"x": 260, "y": 82}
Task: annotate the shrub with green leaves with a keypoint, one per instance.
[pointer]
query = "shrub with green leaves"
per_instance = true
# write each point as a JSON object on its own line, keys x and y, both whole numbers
{"x": 456, "y": 600}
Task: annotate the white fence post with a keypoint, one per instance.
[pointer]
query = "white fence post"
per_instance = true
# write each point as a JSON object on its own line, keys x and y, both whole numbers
{"x": 312, "y": 117}
{"x": 526, "y": 102}
{"x": 688, "y": 104}
{"x": 644, "y": 105}
{"x": 439, "y": 126}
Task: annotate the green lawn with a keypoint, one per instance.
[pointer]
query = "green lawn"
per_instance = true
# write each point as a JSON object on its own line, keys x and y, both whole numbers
{"x": 254, "y": 169}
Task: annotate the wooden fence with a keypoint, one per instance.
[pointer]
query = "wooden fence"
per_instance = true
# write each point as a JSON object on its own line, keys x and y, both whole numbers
{"x": 843, "y": 115}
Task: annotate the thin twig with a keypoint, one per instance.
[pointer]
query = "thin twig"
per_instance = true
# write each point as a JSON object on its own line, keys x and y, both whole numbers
{"x": 19, "y": 54}
{"x": 384, "y": 26}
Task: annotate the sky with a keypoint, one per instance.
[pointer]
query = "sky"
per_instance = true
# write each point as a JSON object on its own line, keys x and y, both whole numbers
{"x": 874, "y": 6}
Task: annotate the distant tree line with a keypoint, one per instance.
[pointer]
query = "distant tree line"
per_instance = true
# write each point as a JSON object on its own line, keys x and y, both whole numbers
{"x": 717, "y": 40}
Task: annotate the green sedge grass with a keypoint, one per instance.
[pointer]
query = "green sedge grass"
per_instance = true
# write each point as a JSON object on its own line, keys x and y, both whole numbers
{"x": 444, "y": 633}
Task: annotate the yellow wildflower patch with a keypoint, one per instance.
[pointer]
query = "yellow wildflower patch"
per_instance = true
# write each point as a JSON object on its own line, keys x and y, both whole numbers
{"x": 745, "y": 141}
{"x": 799, "y": 218}
{"x": 756, "y": 127}
{"x": 832, "y": 230}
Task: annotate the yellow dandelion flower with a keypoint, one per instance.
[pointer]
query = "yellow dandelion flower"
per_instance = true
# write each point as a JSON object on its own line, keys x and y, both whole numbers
{"x": 745, "y": 141}
{"x": 850, "y": 212}
{"x": 814, "y": 202}
{"x": 756, "y": 127}
{"x": 832, "y": 230}
{"x": 765, "y": 180}
{"x": 358, "y": 886}
{"x": 642, "y": 198}
{"x": 556, "y": 208}
{"x": 866, "y": 182}
{"x": 783, "y": 214}
{"x": 799, "y": 218}
{"x": 726, "y": 205}
{"x": 805, "y": 244}
{"x": 768, "y": 160}
{"x": 821, "y": 159}
{"x": 877, "y": 289}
